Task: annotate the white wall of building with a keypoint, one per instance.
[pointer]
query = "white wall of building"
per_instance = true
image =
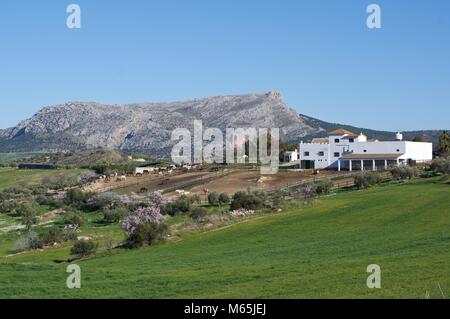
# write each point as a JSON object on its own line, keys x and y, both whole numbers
{"x": 418, "y": 151}
{"x": 312, "y": 152}
{"x": 338, "y": 145}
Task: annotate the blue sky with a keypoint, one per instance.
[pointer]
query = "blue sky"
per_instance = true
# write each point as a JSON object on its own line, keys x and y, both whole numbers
{"x": 320, "y": 54}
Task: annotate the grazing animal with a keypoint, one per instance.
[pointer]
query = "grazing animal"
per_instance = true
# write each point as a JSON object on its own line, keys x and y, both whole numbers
{"x": 143, "y": 190}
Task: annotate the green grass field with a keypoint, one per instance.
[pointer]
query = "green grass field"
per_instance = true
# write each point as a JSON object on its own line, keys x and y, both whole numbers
{"x": 10, "y": 157}
{"x": 321, "y": 251}
{"x": 12, "y": 177}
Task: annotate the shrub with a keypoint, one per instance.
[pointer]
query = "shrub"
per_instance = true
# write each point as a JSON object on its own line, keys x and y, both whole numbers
{"x": 441, "y": 165}
{"x": 140, "y": 216}
{"x": 308, "y": 194}
{"x": 213, "y": 198}
{"x": 84, "y": 248}
{"x": 224, "y": 199}
{"x": 46, "y": 200}
{"x": 404, "y": 172}
{"x": 248, "y": 200}
{"x": 147, "y": 233}
{"x": 366, "y": 180}
{"x": 277, "y": 198}
{"x": 54, "y": 235}
{"x": 199, "y": 213}
{"x": 73, "y": 218}
{"x": 15, "y": 206}
{"x": 324, "y": 187}
{"x": 146, "y": 224}
{"x": 181, "y": 205}
{"x": 88, "y": 176}
{"x": 28, "y": 215}
{"x": 115, "y": 215}
{"x": 196, "y": 199}
{"x": 169, "y": 209}
{"x": 76, "y": 197}
{"x": 29, "y": 241}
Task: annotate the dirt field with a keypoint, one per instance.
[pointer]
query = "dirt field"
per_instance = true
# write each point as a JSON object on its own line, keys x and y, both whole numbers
{"x": 227, "y": 181}
{"x": 242, "y": 180}
{"x": 150, "y": 182}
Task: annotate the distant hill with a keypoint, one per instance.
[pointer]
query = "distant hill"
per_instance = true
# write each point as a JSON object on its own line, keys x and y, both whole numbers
{"x": 147, "y": 127}
{"x": 78, "y": 158}
{"x": 325, "y": 127}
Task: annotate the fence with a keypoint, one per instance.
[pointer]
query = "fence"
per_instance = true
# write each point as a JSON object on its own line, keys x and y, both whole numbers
{"x": 341, "y": 180}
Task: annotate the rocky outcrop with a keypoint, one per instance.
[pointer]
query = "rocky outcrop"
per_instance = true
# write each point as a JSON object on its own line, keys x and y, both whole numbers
{"x": 147, "y": 127}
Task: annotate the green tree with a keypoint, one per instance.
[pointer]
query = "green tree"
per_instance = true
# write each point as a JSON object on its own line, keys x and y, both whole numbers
{"x": 444, "y": 144}
{"x": 419, "y": 138}
{"x": 28, "y": 215}
{"x": 224, "y": 199}
{"x": 84, "y": 248}
{"x": 213, "y": 198}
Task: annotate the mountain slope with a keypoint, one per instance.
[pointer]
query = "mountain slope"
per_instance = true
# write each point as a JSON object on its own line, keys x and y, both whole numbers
{"x": 147, "y": 127}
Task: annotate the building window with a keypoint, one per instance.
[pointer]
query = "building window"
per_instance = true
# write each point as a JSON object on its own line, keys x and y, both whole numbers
{"x": 351, "y": 140}
{"x": 365, "y": 151}
{"x": 336, "y": 140}
{"x": 321, "y": 153}
{"x": 337, "y": 154}
{"x": 306, "y": 153}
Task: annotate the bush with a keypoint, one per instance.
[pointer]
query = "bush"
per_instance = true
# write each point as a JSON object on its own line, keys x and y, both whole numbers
{"x": 16, "y": 206}
{"x": 46, "y": 200}
{"x": 366, "y": 180}
{"x": 29, "y": 241}
{"x": 84, "y": 248}
{"x": 196, "y": 199}
{"x": 75, "y": 197}
{"x": 199, "y": 213}
{"x": 248, "y": 200}
{"x": 147, "y": 233}
{"x": 213, "y": 198}
{"x": 28, "y": 215}
{"x": 224, "y": 199}
{"x": 54, "y": 235}
{"x": 324, "y": 187}
{"x": 73, "y": 218}
{"x": 441, "y": 165}
{"x": 404, "y": 172}
{"x": 181, "y": 205}
{"x": 85, "y": 201}
{"x": 115, "y": 215}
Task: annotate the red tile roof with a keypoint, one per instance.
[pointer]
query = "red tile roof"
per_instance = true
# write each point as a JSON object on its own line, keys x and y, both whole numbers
{"x": 341, "y": 132}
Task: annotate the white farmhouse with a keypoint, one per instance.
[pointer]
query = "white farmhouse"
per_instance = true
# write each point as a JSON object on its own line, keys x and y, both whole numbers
{"x": 291, "y": 156}
{"x": 346, "y": 150}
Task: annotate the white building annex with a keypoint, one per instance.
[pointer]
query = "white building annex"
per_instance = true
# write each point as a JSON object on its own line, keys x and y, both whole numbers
{"x": 291, "y": 156}
{"x": 344, "y": 150}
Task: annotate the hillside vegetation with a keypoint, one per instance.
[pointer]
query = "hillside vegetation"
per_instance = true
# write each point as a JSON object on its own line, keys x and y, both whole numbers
{"x": 319, "y": 251}
{"x": 428, "y": 135}
{"x": 13, "y": 177}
